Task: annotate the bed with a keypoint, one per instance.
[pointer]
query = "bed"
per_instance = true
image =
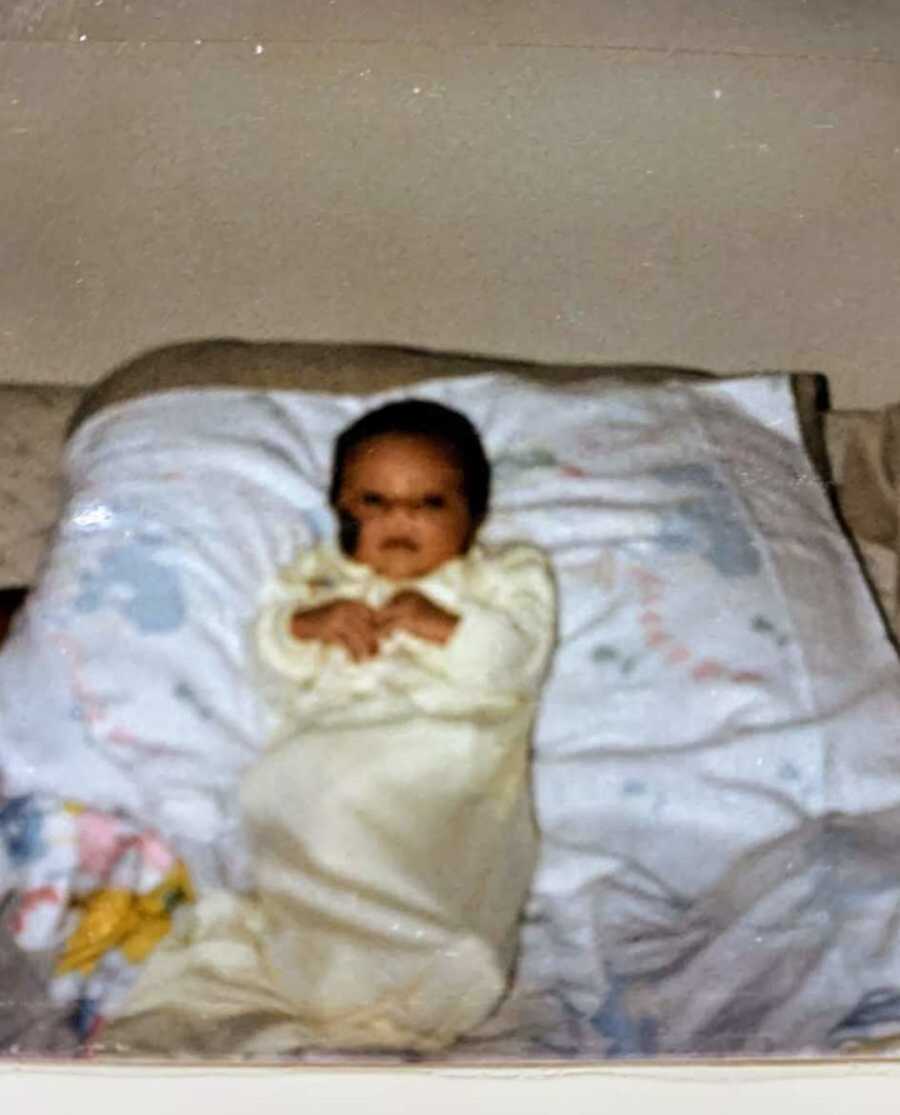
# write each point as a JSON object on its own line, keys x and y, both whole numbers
{"x": 856, "y": 454}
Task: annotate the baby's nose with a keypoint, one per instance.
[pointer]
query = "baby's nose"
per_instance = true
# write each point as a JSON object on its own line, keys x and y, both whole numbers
{"x": 402, "y": 511}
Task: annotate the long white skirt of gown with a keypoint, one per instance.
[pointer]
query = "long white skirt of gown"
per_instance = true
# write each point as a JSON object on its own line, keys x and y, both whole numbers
{"x": 392, "y": 862}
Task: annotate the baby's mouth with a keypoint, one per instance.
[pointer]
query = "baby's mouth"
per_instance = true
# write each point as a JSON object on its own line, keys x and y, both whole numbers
{"x": 405, "y": 544}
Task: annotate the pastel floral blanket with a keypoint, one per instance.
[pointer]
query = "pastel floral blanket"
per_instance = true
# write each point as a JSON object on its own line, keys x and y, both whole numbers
{"x": 92, "y": 889}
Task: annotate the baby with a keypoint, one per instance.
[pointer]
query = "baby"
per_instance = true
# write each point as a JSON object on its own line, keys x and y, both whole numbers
{"x": 410, "y": 487}
{"x": 389, "y": 820}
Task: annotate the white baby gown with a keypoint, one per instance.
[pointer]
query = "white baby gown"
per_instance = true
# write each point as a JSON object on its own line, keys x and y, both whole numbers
{"x": 390, "y": 826}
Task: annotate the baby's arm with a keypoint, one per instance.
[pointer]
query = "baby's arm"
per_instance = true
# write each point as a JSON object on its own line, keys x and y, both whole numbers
{"x": 291, "y": 635}
{"x": 297, "y": 625}
{"x": 506, "y": 634}
{"x": 411, "y": 611}
{"x": 500, "y": 647}
{"x": 350, "y": 624}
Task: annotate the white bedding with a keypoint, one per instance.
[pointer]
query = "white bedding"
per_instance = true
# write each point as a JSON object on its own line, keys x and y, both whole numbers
{"x": 717, "y": 769}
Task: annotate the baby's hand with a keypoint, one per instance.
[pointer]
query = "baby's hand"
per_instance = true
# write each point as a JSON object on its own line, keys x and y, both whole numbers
{"x": 412, "y": 612}
{"x": 346, "y": 623}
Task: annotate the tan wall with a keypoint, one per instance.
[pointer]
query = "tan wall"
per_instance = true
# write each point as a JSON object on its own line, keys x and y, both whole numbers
{"x": 696, "y": 182}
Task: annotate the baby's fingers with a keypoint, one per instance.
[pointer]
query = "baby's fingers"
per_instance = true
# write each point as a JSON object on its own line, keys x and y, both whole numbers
{"x": 353, "y": 644}
{"x": 385, "y": 617}
{"x": 395, "y": 611}
{"x": 360, "y": 639}
{"x": 360, "y": 613}
{"x": 390, "y": 620}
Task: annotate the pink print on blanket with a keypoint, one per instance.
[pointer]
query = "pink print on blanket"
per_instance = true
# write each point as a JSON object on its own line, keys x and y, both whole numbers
{"x": 112, "y": 851}
{"x": 659, "y": 639}
{"x": 58, "y": 852}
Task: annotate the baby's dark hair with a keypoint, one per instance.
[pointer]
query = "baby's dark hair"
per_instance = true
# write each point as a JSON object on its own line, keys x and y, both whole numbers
{"x": 420, "y": 418}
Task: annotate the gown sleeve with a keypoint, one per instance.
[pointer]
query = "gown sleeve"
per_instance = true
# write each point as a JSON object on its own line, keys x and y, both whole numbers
{"x": 294, "y": 659}
{"x": 279, "y": 650}
{"x": 500, "y": 650}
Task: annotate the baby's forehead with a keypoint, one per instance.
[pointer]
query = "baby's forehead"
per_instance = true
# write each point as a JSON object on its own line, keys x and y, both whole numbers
{"x": 400, "y": 446}
{"x": 423, "y": 455}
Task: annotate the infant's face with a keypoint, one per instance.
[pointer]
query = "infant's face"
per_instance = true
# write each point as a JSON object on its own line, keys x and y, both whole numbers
{"x": 406, "y": 492}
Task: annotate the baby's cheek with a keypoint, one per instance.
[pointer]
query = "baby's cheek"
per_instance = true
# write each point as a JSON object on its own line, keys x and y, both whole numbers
{"x": 450, "y": 536}
{"x": 370, "y": 534}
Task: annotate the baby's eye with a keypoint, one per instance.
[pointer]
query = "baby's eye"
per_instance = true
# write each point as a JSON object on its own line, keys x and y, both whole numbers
{"x": 372, "y": 499}
{"x": 434, "y": 502}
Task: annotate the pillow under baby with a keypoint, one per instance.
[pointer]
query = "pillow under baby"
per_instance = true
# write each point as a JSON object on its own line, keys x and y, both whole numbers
{"x": 718, "y": 650}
